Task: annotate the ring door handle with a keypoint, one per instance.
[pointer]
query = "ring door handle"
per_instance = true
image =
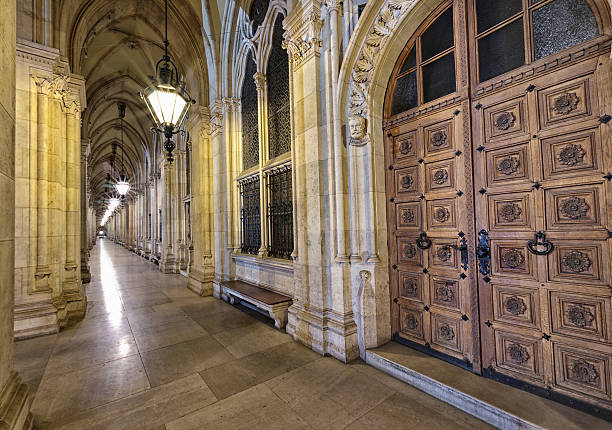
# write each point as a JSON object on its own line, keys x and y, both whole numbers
{"x": 423, "y": 242}
{"x": 483, "y": 252}
{"x": 539, "y": 239}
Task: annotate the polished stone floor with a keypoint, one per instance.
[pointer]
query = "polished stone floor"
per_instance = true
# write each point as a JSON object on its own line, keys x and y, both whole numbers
{"x": 150, "y": 354}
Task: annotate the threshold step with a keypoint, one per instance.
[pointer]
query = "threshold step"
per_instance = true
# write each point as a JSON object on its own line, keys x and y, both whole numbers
{"x": 497, "y": 404}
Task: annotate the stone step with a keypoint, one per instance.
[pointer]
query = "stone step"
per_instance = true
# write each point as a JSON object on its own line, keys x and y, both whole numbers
{"x": 500, "y": 405}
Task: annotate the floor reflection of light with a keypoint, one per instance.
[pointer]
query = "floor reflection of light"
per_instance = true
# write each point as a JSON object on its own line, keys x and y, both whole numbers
{"x": 124, "y": 347}
{"x": 112, "y": 302}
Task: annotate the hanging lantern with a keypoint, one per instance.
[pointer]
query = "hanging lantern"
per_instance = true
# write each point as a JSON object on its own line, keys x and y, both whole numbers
{"x": 166, "y": 97}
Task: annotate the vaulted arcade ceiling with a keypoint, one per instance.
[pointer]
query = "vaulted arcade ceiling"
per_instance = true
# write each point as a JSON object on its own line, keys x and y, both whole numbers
{"x": 115, "y": 46}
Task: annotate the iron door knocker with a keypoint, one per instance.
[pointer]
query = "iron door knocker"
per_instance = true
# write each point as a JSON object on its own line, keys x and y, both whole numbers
{"x": 423, "y": 242}
{"x": 539, "y": 239}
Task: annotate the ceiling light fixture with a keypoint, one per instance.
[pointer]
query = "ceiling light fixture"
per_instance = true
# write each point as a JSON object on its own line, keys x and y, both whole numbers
{"x": 167, "y": 97}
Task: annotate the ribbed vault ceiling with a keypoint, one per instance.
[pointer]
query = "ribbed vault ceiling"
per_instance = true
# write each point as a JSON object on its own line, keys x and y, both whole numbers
{"x": 115, "y": 46}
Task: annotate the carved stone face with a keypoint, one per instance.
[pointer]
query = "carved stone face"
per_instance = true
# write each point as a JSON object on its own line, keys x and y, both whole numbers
{"x": 357, "y": 126}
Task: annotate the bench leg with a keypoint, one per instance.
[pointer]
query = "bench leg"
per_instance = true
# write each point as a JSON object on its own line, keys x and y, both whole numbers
{"x": 280, "y": 317}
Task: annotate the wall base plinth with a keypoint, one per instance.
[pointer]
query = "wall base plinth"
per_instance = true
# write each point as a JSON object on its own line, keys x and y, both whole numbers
{"x": 35, "y": 319}
{"x": 326, "y": 332}
{"x": 200, "y": 282}
{"x": 15, "y": 405}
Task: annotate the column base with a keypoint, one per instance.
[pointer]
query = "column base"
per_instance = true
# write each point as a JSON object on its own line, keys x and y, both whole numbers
{"x": 168, "y": 265}
{"x": 325, "y": 332}
{"x": 35, "y": 319}
{"x": 15, "y": 405}
{"x": 200, "y": 282}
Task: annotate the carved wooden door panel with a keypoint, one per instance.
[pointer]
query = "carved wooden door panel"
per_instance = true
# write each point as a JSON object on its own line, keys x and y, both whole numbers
{"x": 542, "y": 192}
{"x": 428, "y": 212}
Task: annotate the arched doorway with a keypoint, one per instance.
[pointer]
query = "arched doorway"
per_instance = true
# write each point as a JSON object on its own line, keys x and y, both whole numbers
{"x": 497, "y": 144}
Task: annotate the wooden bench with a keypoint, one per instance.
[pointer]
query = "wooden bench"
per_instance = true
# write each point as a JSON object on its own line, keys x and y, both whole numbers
{"x": 271, "y": 303}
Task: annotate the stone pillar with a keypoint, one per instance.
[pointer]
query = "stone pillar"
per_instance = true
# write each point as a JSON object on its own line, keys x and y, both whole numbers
{"x": 14, "y": 400}
{"x": 201, "y": 268}
{"x": 167, "y": 262}
{"x": 72, "y": 288}
{"x": 321, "y": 315}
{"x": 84, "y": 219}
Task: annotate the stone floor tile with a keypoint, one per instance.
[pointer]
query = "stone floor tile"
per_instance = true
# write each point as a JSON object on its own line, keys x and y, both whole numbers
{"x": 59, "y": 397}
{"x": 255, "y": 408}
{"x": 148, "y": 410}
{"x": 222, "y": 321}
{"x": 235, "y": 376}
{"x": 420, "y": 412}
{"x": 75, "y": 354}
{"x": 253, "y": 338}
{"x": 331, "y": 394}
{"x": 175, "y": 361}
{"x": 155, "y": 337}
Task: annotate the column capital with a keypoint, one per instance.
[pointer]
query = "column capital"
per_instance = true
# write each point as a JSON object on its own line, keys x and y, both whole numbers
{"x": 302, "y": 38}
{"x": 333, "y": 5}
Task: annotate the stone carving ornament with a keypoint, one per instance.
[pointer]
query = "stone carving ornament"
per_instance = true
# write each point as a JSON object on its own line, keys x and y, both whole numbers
{"x": 441, "y": 214}
{"x": 571, "y": 154}
{"x": 574, "y": 207}
{"x": 445, "y": 292}
{"x": 510, "y": 212}
{"x": 384, "y": 25}
{"x": 585, "y": 372}
{"x": 576, "y": 262}
{"x": 565, "y": 103}
{"x": 438, "y": 138}
{"x": 504, "y": 120}
{"x": 440, "y": 176}
{"x": 446, "y": 332}
{"x": 358, "y": 129}
{"x": 580, "y": 316}
{"x": 411, "y": 322}
{"x": 515, "y": 305}
{"x": 517, "y": 353}
{"x": 513, "y": 258}
{"x": 508, "y": 165}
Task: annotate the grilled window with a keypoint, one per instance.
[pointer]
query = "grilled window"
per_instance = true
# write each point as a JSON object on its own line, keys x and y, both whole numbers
{"x": 280, "y": 212}
{"x": 250, "y": 217}
{"x": 188, "y": 170}
{"x": 250, "y": 131}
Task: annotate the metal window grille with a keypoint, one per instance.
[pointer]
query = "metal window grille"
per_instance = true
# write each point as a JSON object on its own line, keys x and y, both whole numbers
{"x": 160, "y": 224}
{"x": 250, "y": 217}
{"x": 188, "y": 170}
{"x": 280, "y": 212}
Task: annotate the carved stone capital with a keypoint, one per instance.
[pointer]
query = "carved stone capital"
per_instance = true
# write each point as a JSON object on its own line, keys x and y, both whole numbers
{"x": 302, "y": 38}
{"x": 260, "y": 81}
{"x": 333, "y": 6}
{"x": 55, "y": 86}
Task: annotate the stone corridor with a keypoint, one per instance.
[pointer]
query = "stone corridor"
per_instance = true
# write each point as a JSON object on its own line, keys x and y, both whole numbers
{"x": 150, "y": 354}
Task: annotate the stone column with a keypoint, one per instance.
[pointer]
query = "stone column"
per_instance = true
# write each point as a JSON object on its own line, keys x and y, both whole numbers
{"x": 167, "y": 262}
{"x": 321, "y": 315}
{"x": 262, "y": 96}
{"x": 14, "y": 400}
{"x": 72, "y": 288}
{"x": 85, "y": 239}
{"x": 201, "y": 269}
{"x": 43, "y": 269}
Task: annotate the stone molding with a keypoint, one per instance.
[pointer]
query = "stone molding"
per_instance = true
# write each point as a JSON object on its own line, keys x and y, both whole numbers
{"x": 15, "y": 405}
{"x": 384, "y": 25}
{"x": 302, "y": 38}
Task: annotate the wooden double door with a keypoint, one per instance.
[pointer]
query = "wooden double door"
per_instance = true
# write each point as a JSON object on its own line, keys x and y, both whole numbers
{"x": 499, "y": 206}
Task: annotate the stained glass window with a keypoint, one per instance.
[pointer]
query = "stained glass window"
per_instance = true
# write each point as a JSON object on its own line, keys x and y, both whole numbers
{"x": 250, "y": 132}
{"x": 277, "y": 78}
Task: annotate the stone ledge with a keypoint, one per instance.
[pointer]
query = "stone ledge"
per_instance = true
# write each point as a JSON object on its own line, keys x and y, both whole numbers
{"x": 495, "y": 403}
{"x": 15, "y": 405}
